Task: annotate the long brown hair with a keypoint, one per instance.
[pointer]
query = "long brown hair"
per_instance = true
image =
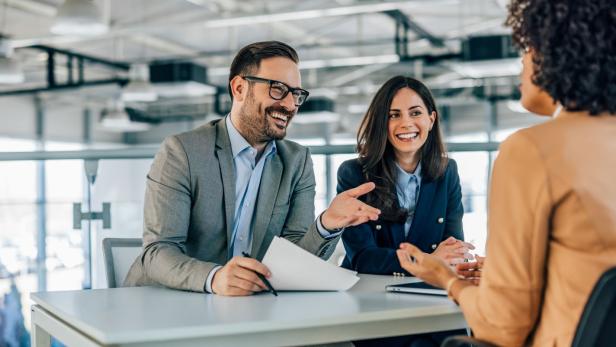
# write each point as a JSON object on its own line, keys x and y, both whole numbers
{"x": 376, "y": 154}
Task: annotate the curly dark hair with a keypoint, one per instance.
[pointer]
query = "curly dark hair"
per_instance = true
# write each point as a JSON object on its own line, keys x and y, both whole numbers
{"x": 574, "y": 49}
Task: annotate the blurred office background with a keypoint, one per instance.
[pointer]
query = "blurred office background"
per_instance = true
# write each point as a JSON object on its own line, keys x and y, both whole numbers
{"x": 88, "y": 90}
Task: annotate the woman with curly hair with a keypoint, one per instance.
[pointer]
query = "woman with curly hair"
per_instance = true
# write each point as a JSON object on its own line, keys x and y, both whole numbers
{"x": 552, "y": 203}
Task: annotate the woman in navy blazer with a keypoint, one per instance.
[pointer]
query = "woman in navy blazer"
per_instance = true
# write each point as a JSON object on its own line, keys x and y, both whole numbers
{"x": 417, "y": 189}
{"x": 371, "y": 247}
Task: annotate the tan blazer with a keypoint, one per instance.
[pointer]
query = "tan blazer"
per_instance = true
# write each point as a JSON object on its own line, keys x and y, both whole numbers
{"x": 552, "y": 231}
{"x": 189, "y": 208}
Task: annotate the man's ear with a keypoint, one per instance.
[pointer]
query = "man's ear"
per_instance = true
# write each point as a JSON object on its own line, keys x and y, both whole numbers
{"x": 238, "y": 88}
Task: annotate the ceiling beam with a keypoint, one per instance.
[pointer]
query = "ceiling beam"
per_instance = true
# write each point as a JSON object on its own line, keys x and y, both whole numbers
{"x": 162, "y": 44}
{"x": 260, "y": 18}
{"x": 413, "y": 26}
{"x": 34, "y": 7}
{"x": 355, "y": 75}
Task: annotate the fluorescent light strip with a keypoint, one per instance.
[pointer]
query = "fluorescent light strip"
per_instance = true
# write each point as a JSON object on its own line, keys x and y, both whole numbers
{"x": 308, "y": 14}
{"x": 323, "y": 63}
{"x": 350, "y": 61}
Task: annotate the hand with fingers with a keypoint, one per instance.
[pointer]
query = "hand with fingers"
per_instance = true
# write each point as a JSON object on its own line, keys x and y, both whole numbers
{"x": 471, "y": 271}
{"x": 239, "y": 277}
{"x": 454, "y": 251}
{"x": 346, "y": 209}
{"x": 428, "y": 267}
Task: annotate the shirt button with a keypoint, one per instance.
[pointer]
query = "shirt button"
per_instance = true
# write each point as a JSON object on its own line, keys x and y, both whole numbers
{"x": 433, "y": 246}
{"x": 441, "y": 220}
{"x": 378, "y": 227}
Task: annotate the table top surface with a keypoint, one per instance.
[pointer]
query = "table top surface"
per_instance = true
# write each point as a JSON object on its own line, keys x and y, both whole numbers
{"x": 125, "y": 315}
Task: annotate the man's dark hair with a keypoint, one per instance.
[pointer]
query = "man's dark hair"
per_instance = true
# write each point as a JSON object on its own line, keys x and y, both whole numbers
{"x": 574, "y": 49}
{"x": 376, "y": 154}
{"x": 248, "y": 59}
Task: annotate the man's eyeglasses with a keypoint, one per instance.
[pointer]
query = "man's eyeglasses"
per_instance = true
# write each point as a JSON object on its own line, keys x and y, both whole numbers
{"x": 279, "y": 90}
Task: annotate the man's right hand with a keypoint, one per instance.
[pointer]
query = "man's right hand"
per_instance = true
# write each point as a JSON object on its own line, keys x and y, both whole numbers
{"x": 347, "y": 210}
{"x": 238, "y": 277}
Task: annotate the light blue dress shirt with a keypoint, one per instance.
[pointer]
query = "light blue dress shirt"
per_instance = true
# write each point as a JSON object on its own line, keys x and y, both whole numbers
{"x": 407, "y": 189}
{"x": 248, "y": 172}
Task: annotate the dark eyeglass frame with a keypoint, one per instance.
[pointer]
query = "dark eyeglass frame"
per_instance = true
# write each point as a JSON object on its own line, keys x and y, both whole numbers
{"x": 296, "y": 97}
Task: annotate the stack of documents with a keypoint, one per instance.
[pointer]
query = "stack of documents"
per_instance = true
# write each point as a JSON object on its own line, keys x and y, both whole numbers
{"x": 293, "y": 268}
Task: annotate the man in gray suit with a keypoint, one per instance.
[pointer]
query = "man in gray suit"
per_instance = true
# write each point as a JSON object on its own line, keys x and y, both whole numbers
{"x": 230, "y": 186}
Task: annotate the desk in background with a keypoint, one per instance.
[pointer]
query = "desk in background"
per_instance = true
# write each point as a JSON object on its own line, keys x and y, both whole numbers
{"x": 151, "y": 316}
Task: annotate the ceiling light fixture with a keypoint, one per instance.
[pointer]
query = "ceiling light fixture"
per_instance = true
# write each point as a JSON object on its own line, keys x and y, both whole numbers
{"x": 139, "y": 88}
{"x": 79, "y": 17}
{"x": 488, "y": 68}
{"x": 312, "y": 13}
{"x": 319, "y": 109}
{"x": 114, "y": 118}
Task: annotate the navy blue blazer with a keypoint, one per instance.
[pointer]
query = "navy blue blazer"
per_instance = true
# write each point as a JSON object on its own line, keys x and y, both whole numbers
{"x": 371, "y": 247}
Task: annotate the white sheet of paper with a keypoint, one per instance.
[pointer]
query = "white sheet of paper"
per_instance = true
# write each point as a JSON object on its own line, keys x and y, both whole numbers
{"x": 293, "y": 268}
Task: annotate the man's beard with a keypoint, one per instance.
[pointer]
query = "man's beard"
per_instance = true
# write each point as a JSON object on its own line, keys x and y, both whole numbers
{"x": 256, "y": 126}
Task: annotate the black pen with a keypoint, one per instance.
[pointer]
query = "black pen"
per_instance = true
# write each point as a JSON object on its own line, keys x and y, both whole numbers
{"x": 269, "y": 285}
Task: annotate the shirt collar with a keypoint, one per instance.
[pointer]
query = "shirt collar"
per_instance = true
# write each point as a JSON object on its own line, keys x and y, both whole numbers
{"x": 404, "y": 177}
{"x": 239, "y": 143}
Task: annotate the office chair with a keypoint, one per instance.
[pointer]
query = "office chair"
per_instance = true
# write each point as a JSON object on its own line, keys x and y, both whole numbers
{"x": 597, "y": 326}
{"x": 119, "y": 254}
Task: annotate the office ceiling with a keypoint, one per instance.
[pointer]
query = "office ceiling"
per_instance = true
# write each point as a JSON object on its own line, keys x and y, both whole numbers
{"x": 347, "y": 47}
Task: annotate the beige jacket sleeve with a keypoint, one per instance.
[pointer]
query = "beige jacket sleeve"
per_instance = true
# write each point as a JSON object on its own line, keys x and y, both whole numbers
{"x": 505, "y": 307}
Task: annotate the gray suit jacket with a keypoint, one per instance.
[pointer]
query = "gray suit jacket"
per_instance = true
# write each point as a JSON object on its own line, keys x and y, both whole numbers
{"x": 189, "y": 208}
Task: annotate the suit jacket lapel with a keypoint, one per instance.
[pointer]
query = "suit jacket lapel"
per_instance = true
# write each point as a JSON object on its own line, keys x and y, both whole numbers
{"x": 225, "y": 161}
{"x": 268, "y": 191}
{"x": 422, "y": 211}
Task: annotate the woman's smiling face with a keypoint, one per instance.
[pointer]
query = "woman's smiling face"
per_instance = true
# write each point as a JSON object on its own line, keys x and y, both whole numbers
{"x": 409, "y": 124}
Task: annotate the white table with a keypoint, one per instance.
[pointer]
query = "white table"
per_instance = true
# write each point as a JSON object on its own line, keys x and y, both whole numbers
{"x": 150, "y": 316}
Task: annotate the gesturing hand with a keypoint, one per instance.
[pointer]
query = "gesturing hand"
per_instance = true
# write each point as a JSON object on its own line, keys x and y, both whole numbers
{"x": 238, "y": 277}
{"x": 428, "y": 267}
{"x": 454, "y": 251}
{"x": 471, "y": 271}
{"x": 346, "y": 210}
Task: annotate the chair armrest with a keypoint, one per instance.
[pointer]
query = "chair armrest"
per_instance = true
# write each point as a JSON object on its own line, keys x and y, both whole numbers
{"x": 464, "y": 341}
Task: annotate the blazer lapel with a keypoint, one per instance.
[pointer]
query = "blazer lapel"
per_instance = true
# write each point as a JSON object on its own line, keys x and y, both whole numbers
{"x": 225, "y": 161}
{"x": 422, "y": 211}
{"x": 268, "y": 191}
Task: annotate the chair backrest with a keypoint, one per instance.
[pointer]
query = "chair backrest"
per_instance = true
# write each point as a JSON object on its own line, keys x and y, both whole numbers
{"x": 597, "y": 326}
{"x": 119, "y": 254}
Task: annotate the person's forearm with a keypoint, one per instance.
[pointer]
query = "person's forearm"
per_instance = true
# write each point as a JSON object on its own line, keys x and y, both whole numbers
{"x": 168, "y": 266}
{"x": 312, "y": 241}
{"x": 457, "y": 287}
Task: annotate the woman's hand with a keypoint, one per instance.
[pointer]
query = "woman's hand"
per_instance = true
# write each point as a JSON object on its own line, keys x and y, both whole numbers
{"x": 454, "y": 251}
{"x": 471, "y": 271}
{"x": 428, "y": 267}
